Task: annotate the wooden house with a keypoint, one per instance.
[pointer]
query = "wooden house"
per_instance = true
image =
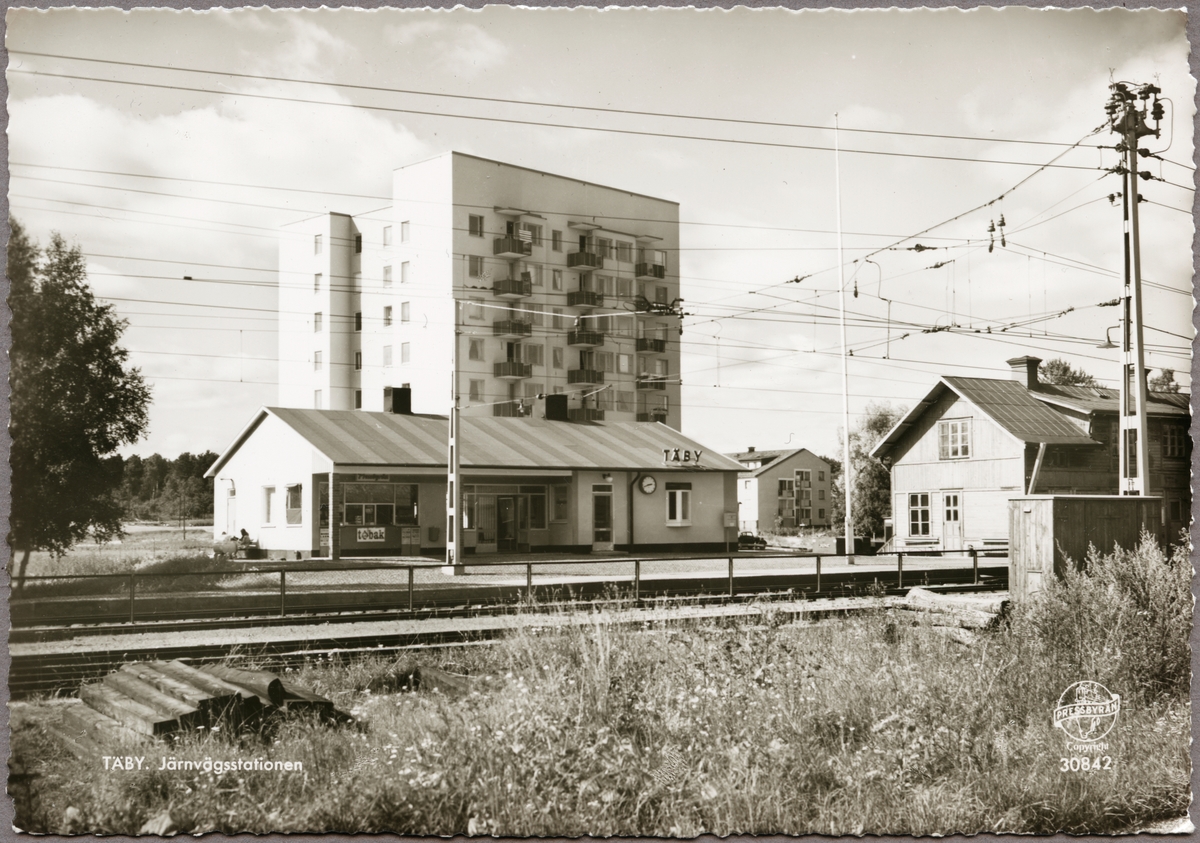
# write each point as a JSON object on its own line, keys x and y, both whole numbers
{"x": 972, "y": 444}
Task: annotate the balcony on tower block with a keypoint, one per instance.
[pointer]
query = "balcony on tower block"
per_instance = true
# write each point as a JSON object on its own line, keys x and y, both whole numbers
{"x": 511, "y": 328}
{"x": 589, "y": 260}
{"x": 592, "y": 377}
{"x": 650, "y": 270}
{"x": 514, "y": 288}
{"x": 585, "y": 298}
{"x": 651, "y": 382}
{"x": 512, "y": 247}
{"x": 585, "y": 414}
{"x": 585, "y": 339}
{"x": 659, "y": 415}
{"x": 652, "y": 345}
{"x": 512, "y": 370}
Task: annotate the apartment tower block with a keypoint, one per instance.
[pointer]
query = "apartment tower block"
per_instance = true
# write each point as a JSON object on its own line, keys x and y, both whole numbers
{"x": 552, "y": 285}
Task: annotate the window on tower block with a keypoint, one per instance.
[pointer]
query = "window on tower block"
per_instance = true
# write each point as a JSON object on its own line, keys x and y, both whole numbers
{"x": 404, "y": 231}
{"x": 318, "y": 401}
{"x": 405, "y": 352}
{"x": 316, "y": 361}
{"x": 404, "y": 272}
{"x": 387, "y": 316}
{"x": 475, "y": 350}
{"x": 358, "y": 361}
{"x": 474, "y": 266}
{"x": 387, "y": 355}
{"x": 387, "y": 276}
{"x": 358, "y": 244}
{"x": 556, "y": 241}
{"x": 317, "y": 239}
{"x": 475, "y": 309}
{"x": 317, "y": 320}
{"x": 954, "y": 439}
{"x": 317, "y": 283}
{"x": 475, "y": 225}
{"x": 556, "y": 280}
{"x": 387, "y": 235}
{"x": 475, "y": 390}
{"x": 358, "y": 399}
{"x": 358, "y": 321}
{"x": 405, "y": 311}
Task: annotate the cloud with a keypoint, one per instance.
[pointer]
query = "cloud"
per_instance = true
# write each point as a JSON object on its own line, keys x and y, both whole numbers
{"x": 460, "y": 50}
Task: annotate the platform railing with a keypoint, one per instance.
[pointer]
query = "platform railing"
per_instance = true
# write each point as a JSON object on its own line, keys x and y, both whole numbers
{"x": 251, "y": 589}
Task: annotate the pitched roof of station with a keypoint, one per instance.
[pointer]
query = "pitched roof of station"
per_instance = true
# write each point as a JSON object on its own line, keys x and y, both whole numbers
{"x": 354, "y": 437}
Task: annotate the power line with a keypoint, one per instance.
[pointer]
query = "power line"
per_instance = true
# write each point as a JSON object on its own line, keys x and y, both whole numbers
{"x": 509, "y": 102}
{"x": 544, "y": 124}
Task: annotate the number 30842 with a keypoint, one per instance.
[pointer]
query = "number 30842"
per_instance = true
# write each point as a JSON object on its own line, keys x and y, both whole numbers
{"x": 1084, "y": 764}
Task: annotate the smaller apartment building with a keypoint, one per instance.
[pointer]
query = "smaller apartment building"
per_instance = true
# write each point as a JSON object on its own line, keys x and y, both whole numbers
{"x": 782, "y": 489}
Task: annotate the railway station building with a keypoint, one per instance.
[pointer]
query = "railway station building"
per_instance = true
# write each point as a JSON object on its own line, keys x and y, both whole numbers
{"x": 308, "y": 483}
{"x": 972, "y": 444}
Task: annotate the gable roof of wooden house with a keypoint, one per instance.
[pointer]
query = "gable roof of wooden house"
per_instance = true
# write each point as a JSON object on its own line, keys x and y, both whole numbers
{"x": 1028, "y": 410}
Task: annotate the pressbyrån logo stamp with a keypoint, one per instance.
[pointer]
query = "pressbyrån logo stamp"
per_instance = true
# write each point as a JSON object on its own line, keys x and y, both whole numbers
{"x": 1086, "y": 711}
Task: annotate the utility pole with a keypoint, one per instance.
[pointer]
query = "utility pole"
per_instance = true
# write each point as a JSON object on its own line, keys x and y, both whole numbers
{"x": 1128, "y": 119}
{"x": 454, "y": 477}
{"x": 846, "y": 472}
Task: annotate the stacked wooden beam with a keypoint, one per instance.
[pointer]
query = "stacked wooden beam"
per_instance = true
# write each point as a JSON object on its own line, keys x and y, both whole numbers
{"x": 955, "y": 616}
{"x": 145, "y": 700}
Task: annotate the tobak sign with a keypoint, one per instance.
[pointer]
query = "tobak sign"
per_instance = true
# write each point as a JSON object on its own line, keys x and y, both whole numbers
{"x": 681, "y": 455}
{"x": 371, "y": 534}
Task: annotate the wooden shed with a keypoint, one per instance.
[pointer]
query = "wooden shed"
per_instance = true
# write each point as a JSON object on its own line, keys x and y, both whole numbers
{"x": 1046, "y": 530}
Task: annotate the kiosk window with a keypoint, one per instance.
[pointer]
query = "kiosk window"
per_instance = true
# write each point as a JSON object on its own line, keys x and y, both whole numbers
{"x": 377, "y": 504}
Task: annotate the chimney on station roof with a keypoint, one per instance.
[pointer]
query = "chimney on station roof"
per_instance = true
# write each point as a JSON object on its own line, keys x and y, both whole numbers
{"x": 750, "y": 450}
{"x": 1025, "y": 370}
{"x": 556, "y": 407}
{"x": 398, "y": 400}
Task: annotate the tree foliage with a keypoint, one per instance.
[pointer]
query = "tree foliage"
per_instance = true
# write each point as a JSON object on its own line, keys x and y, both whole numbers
{"x": 871, "y": 482}
{"x": 1164, "y": 381}
{"x": 156, "y": 488}
{"x": 75, "y": 400}
{"x": 1060, "y": 373}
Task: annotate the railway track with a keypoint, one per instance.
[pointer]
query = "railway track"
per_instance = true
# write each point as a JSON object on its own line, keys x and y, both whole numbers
{"x": 57, "y": 659}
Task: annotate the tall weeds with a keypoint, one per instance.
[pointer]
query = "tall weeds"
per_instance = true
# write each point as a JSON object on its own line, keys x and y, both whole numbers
{"x": 752, "y": 726}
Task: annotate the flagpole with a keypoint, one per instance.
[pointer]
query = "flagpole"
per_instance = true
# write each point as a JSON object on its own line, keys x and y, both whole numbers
{"x": 846, "y": 473}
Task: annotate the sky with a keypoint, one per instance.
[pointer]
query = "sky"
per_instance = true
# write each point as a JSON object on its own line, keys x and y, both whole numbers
{"x": 176, "y": 143}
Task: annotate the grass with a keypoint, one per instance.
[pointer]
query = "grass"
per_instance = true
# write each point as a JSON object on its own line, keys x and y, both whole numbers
{"x": 867, "y": 724}
{"x": 142, "y": 545}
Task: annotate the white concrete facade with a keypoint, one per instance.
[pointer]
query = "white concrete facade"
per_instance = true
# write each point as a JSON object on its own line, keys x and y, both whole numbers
{"x": 470, "y": 243}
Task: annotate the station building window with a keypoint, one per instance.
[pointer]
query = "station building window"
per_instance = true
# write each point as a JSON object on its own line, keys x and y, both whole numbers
{"x": 679, "y": 504}
{"x": 294, "y": 510}
{"x": 268, "y": 503}
{"x": 954, "y": 439}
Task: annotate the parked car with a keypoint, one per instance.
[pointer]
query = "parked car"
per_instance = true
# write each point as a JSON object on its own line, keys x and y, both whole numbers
{"x": 749, "y": 541}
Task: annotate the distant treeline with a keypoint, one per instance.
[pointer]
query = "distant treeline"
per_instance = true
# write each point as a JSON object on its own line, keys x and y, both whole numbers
{"x": 155, "y": 488}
